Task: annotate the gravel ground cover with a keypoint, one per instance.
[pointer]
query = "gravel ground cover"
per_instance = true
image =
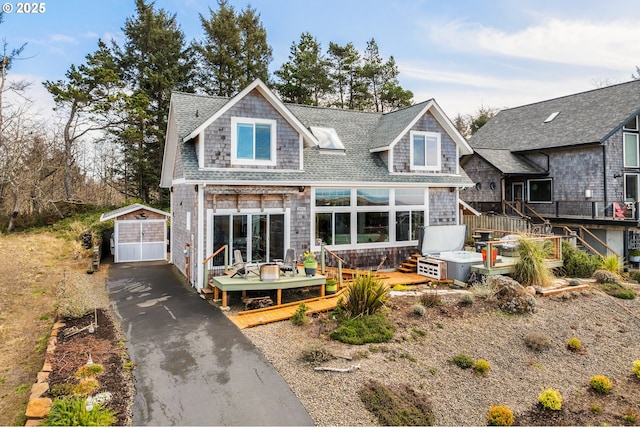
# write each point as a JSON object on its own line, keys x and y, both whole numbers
{"x": 419, "y": 356}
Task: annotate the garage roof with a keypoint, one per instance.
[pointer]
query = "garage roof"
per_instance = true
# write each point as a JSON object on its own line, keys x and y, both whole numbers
{"x": 128, "y": 209}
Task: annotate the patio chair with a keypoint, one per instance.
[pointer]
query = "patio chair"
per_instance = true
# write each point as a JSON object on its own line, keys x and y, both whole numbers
{"x": 243, "y": 268}
{"x": 289, "y": 264}
{"x": 619, "y": 212}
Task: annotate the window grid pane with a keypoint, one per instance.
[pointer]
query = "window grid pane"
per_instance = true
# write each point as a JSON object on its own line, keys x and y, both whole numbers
{"x": 245, "y": 141}
{"x": 418, "y": 150}
{"x": 263, "y": 142}
{"x": 409, "y": 197}
{"x": 333, "y": 197}
{"x": 631, "y": 150}
{"x": 373, "y": 227}
{"x": 431, "y": 151}
{"x": 373, "y": 197}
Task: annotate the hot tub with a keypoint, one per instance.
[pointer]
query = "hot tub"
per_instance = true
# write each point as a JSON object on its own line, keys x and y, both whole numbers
{"x": 459, "y": 263}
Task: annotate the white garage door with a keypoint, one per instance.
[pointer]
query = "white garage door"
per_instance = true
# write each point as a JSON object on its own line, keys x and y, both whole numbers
{"x": 140, "y": 240}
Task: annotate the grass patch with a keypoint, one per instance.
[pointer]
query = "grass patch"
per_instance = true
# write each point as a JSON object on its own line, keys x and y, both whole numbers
{"x": 397, "y": 406}
{"x": 374, "y": 328}
{"x": 618, "y": 290}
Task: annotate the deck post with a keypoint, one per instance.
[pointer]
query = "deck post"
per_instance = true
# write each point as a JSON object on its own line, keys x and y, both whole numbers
{"x": 226, "y": 257}
{"x": 322, "y": 264}
{"x": 339, "y": 274}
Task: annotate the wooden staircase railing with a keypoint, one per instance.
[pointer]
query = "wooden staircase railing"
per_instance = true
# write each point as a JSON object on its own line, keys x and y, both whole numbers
{"x": 324, "y": 250}
{"x": 224, "y": 248}
{"x": 544, "y": 227}
{"x": 580, "y": 238}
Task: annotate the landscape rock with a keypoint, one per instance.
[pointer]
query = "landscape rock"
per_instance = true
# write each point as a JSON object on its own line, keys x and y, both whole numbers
{"x": 38, "y": 389}
{"x": 38, "y": 408}
{"x": 604, "y": 276}
{"x": 512, "y": 297}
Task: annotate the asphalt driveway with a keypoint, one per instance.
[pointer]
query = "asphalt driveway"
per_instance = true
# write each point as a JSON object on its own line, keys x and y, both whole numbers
{"x": 192, "y": 365}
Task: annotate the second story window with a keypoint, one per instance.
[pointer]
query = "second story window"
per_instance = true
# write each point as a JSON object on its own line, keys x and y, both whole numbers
{"x": 425, "y": 151}
{"x": 253, "y": 141}
{"x": 631, "y": 148}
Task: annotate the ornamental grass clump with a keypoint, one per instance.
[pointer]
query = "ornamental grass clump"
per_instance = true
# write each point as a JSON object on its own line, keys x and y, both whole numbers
{"x": 530, "y": 270}
{"x": 574, "y": 344}
{"x": 463, "y": 361}
{"x": 500, "y": 416}
{"x": 601, "y": 384}
{"x": 636, "y": 368}
{"x": 481, "y": 367}
{"x": 365, "y": 295}
{"x": 551, "y": 399}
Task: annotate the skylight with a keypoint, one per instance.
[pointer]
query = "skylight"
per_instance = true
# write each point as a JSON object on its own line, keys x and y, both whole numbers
{"x": 552, "y": 116}
{"x": 328, "y": 138}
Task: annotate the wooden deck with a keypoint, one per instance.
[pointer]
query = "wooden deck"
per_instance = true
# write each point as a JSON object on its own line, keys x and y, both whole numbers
{"x": 261, "y": 316}
{"x": 277, "y": 313}
{"x": 253, "y": 283}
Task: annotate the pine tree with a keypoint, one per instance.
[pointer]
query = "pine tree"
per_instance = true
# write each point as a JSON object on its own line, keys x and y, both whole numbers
{"x": 304, "y": 79}
{"x": 234, "y": 51}
{"x": 153, "y": 61}
{"x": 86, "y": 97}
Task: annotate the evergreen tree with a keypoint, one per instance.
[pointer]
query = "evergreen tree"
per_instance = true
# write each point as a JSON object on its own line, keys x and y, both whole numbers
{"x": 87, "y": 97}
{"x": 392, "y": 95}
{"x": 344, "y": 62}
{"x": 304, "y": 79}
{"x": 234, "y": 51}
{"x": 372, "y": 73}
{"x": 153, "y": 61}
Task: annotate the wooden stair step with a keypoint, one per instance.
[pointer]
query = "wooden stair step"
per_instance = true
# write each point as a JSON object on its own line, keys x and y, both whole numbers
{"x": 405, "y": 270}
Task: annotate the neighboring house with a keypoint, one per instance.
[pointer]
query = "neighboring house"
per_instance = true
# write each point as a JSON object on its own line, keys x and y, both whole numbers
{"x": 262, "y": 176}
{"x": 574, "y": 160}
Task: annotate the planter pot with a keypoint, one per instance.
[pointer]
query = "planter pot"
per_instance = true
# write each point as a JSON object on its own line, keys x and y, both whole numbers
{"x": 310, "y": 269}
{"x": 494, "y": 255}
{"x": 634, "y": 258}
{"x": 330, "y": 288}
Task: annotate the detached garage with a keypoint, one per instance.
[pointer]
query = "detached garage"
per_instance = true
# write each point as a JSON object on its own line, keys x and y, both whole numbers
{"x": 140, "y": 233}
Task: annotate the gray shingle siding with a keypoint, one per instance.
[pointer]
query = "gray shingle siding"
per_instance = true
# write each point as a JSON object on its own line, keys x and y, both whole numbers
{"x": 442, "y": 207}
{"x": 217, "y": 136}
{"x": 427, "y": 123}
{"x": 481, "y": 172}
{"x": 184, "y": 199}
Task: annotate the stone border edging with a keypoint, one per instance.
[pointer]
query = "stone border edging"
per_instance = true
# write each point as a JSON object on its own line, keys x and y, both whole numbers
{"x": 39, "y": 407}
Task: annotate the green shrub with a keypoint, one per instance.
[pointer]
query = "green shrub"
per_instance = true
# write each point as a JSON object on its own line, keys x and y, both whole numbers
{"x": 481, "y": 367}
{"x": 72, "y": 411}
{"x": 574, "y": 344}
{"x": 630, "y": 416}
{"x": 578, "y": 263}
{"x": 596, "y": 408}
{"x": 463, "y": 361}
{"x": 636, "y": 368}
{"x": 601, "y": 384}
{"x": 419, "y": 310}
{"x": 530, "y": 269}
{"x": 397, "y": 406}
{"x": 551, "y": 399}
{"x": 537, "y": 341}
{"x": 500, "y": 416}
{"x": 365, "y": 295}
{"x": 466, "y": 299}
{"x": 86, "y": 371}
{"x": 374, "y": 328}
{"x": 299, "y": 318}
{"x": 618, "y": 290}
{"x": 86, "y": 386}
{"x": 315, "y": 354}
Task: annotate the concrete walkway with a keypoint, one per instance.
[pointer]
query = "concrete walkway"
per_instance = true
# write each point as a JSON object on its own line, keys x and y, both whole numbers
{"x": 192, "y": 365}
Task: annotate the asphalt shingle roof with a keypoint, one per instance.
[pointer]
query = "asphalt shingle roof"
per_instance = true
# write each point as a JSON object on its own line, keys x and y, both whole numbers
{"x": 359, "y": 132}
{"x": 586, "y": 117}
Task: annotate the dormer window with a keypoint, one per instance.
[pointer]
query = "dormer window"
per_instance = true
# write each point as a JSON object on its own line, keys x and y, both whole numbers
{"x": 425, "y": 151}
{"x": 253, "y": 141}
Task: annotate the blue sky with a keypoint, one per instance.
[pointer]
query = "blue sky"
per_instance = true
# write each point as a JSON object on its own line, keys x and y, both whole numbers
{"x": 465, "y": 54}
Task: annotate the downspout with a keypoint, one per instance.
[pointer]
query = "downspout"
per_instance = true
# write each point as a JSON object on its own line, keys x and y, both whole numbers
{"x": 604, "y": 174}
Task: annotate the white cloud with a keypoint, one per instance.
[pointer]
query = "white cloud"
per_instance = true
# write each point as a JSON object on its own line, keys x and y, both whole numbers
{"x": 61, "y": 38}
{"x": 604, "y": 44}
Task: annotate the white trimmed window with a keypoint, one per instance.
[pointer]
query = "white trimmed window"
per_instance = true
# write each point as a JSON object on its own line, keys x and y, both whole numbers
{"x": 253, "y": 141}
{"x": 425, "y": 151}
{"x": 631, "y": 157}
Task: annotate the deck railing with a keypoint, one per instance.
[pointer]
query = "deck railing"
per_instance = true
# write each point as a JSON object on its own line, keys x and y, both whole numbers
{"x": 324, "y": 250}
{"x": 207, "y": 262}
